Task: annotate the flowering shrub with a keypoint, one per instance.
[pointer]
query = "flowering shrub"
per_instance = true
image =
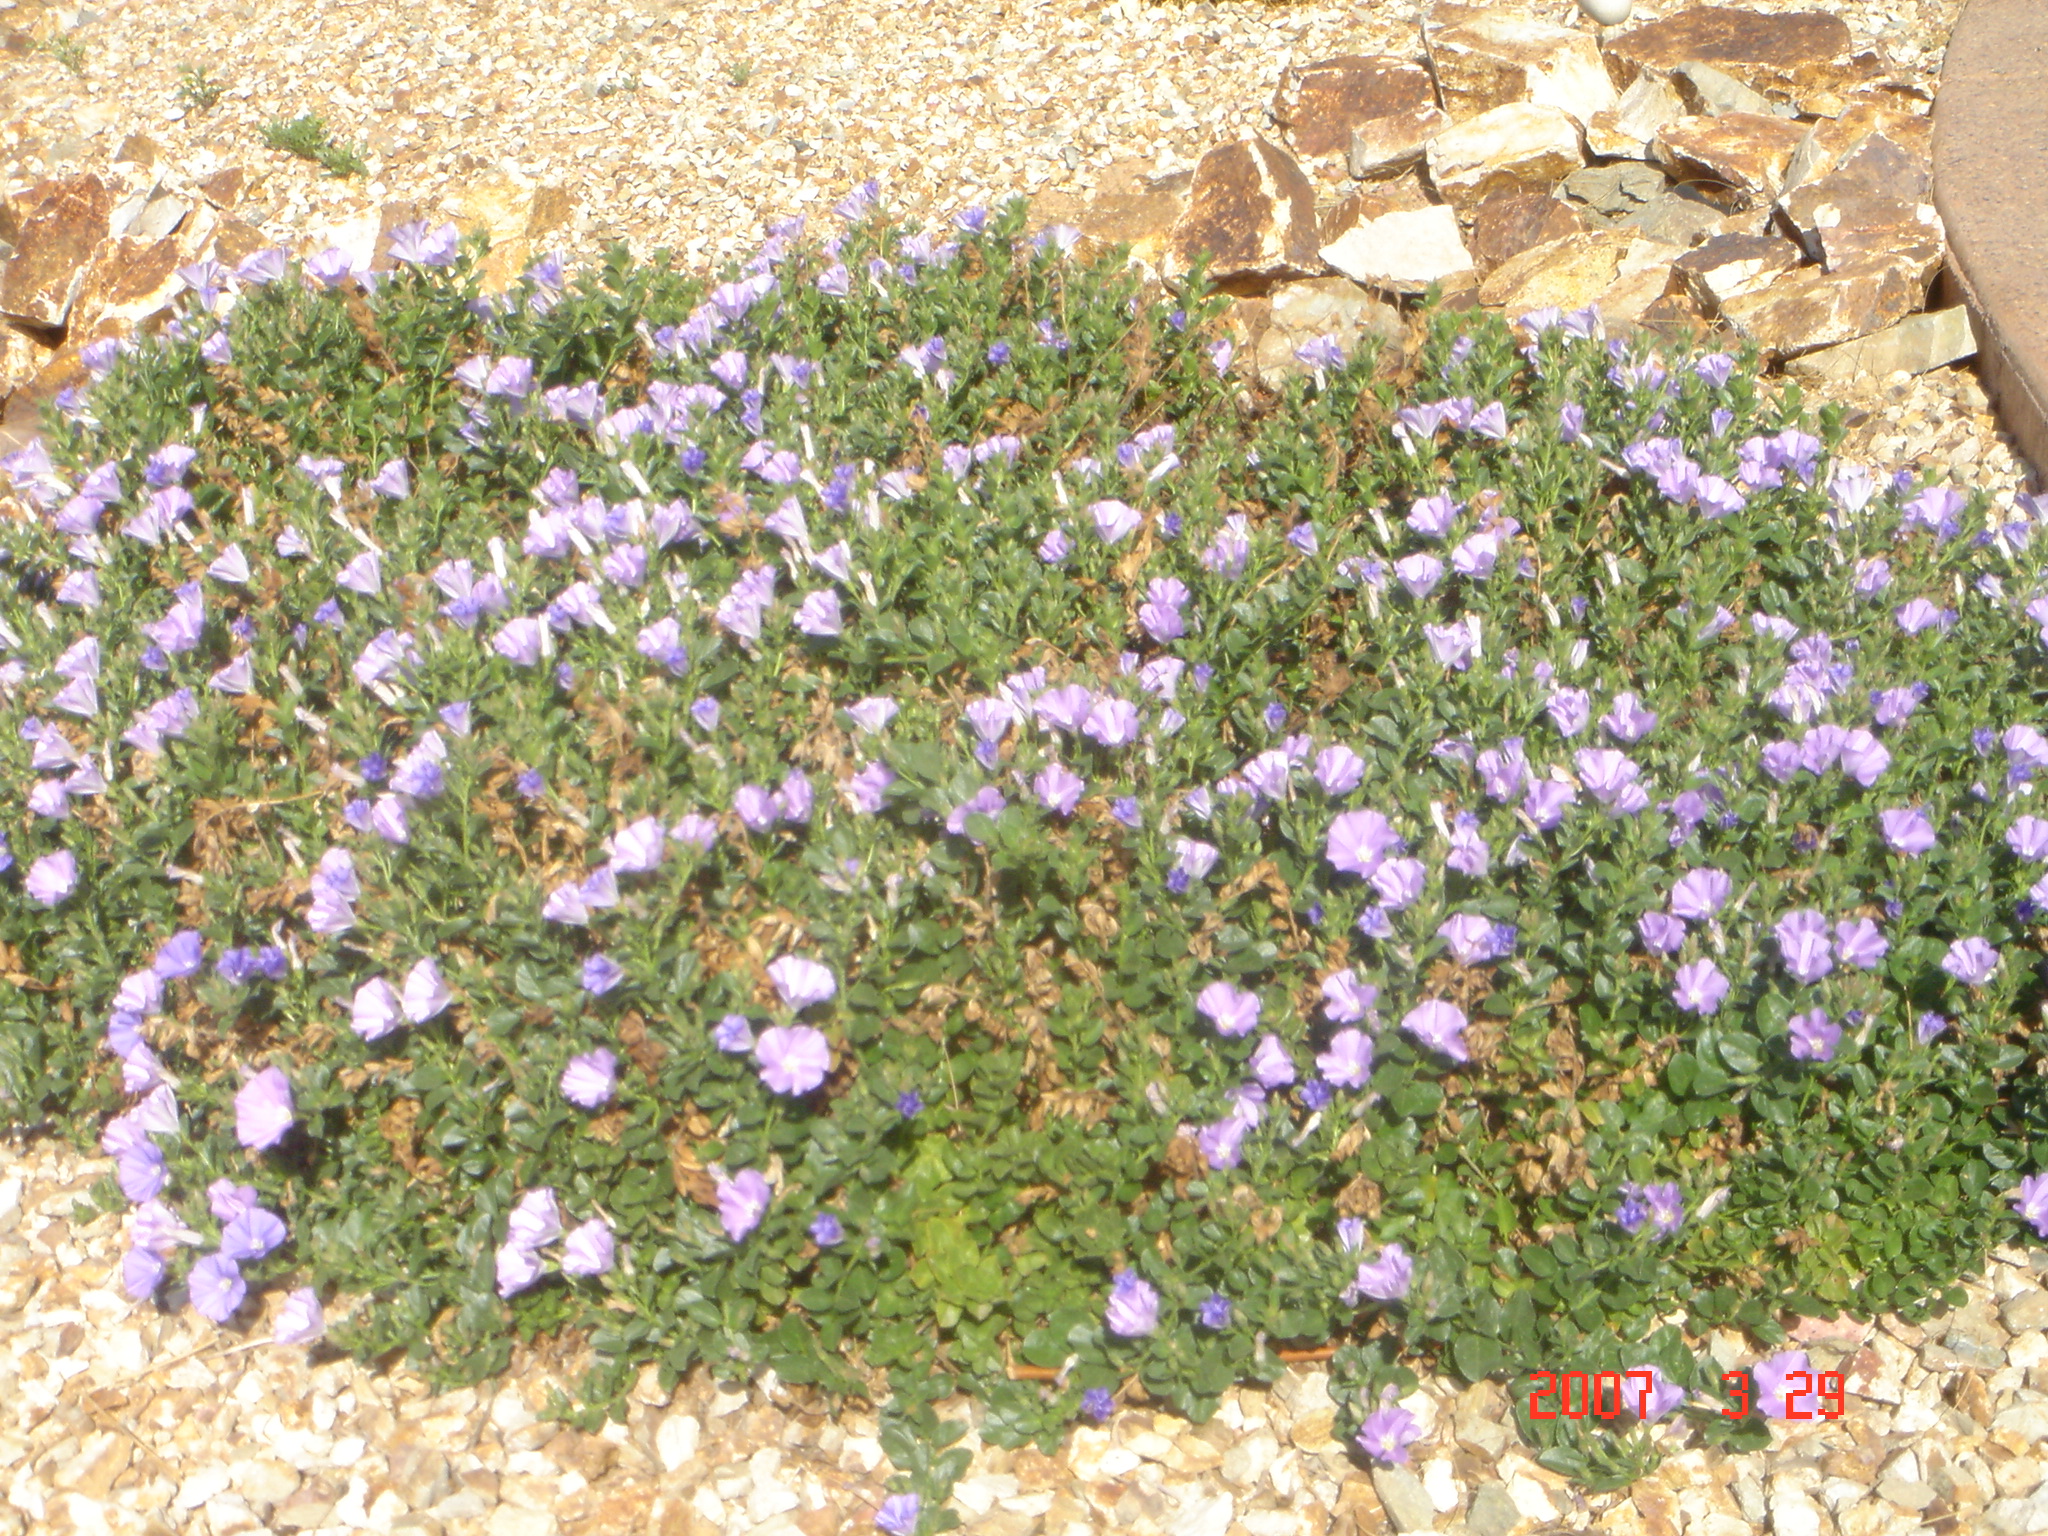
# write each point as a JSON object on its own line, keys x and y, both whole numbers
{"x": 866, "y": 818}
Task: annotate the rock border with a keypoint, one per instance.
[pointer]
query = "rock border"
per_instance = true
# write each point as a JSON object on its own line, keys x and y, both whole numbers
{"x": 1991, "y": 186}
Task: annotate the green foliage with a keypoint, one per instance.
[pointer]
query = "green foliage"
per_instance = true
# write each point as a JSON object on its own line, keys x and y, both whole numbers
{"x": 200, "y": 91}
{"x": 66, "y": 50}
{"x": 306, "y": 137}
{"x": 1032, "y": 977}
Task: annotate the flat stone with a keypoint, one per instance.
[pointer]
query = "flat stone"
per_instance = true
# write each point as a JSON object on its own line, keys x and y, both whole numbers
{"x": 1203, "y": 1515}
{"x": 1683, "y": 217}
{"x": 1246, "y": 1461}
{"x": 224, "y": 187}
{"x": 1568, "y": 274}
{"x": 1519, "y": 145}
{"x": 1626, "y": 129}
{"x": 1733, "y": 267}
{"x": 1402, "y": 252}
{"x": 137, "y": 149}
{"x": 1618, "y": 188}
{"x": 1492, "y": 1512}
{"x": 1508, "y": 223}
{"x": 510, "y": 1520}
{"x": 1254, "y": 212}
{"x": 1849, "y": 234}
{"x": 1492, "y": 57}
{"x": 1807, "y": 308}
{"x": 1746, "y": 153}
{"x": 2026, "y": 1312}
{"x": 1326, "y": 306}
{"x": 1708, "y": 92}
{"x": 676, "y": 1441}
{"x": 1400, "y": 194}
{"x": 1404, "y": 1499}
{"x": 62, "y": 224}
{"x": 1319, "y": 108}
{"x": 160, "y": 216}
{"x": 1876, "y": 168}
{"x": 1786, "y": 56}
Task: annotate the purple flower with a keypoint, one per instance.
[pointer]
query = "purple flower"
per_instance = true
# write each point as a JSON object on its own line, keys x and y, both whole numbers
{"x": 1546, "y": 801}
{"x": 801, "y": 982}
{"x": 536, "y": 1220}
{"x": 1662, "y": 933}
{"x": 1699, "y": 894}
{"x": 2030, "y": 1201}
{"x": 1907, "y": 830}
{"x": 1803, "y": 943}
{"x": 601, "y": 973}
{"x": 1699, "y": 987}
{"x": 1419, "y": 574}
{"x": 425, "y": 994}
{"x": 591, "y": 1079}
{"x": 1270, "y": 1063}
{"x": 1058, "y": 788}
{"x": 899, "y": 1513}
{"x": 1386, "y": 1278}
{"x": 794, "y": 1059}
{"x": 1569, "y": 710}
{"x": 1813, "y": 1036}
{"x": 1214, "y": 1312}
{"x": 1387, "y": 1433}
{"x": 518, "y": 1267}
{"x": 1055, "y": 547}
{"x": 217, "y": 1287}
{"x": 1348, "y": 1061}
{"x": 1359, "y": 841}
{"x": 1971, "y": 961}
{"x": 826, "y": 1230}
{"x": 1662, "y": 1396}
{"x": 1433, "y": 516}
{"x": 376, "y": 1009}
{"x": 1860, "y": 943}
{"x": 252, "y": 1235}
{"x": 300, "y": 1320}
{"x": 1771, "y": 1375}
{"x": 52, "y": 878}
{"x": 1440, "y": 1026}
{"x": 742, "y": 1202}
{"x": 1930, "y": 1027}
{"x": 1232, "y": 1011}
{"x": 263, "y": 1110}
{"x": 2028, "y": 837}
{"x": 733, "y": 1034}
{"x": 142, "y": 1271}
{"x": 182, "y": 954}
{"x": 589, "y": 1249}
{"x": 1133, "y": 1309}
{"x": 1627, "y": 720}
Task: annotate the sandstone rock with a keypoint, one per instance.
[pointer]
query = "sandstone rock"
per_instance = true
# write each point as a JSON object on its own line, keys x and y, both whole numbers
{"x": 1326, "y": 306}
{"x": 224, "y": 187}
{"x": 1254, "y": 212}
{"x": 133, "y": 282}
{"x": 1385, "y": 105}
{"x": 1129, "y": 207}
{"x": 234, "y": 241}
{"x": 1635, "y": 293}
{"x": 1684, "y": 216}
{"x": 2026, "y": 1312}
{"x": 1508, "y": 223}
{"x": 1848, "y": 235}
{"x": 1489, "y": 57}
{"x": 136, "y": 149}
{"x": 1404, "y": 252}
{"x": 1492, "y": 1513}
{"x": 1808, "y": 308}
{"x": 1616, "y": 189}
{"x": 1875, "y": 192}
{"x": 1787, "y": 56}
{"x": 1404, "y": 1498}
{"x": 1399, "y": 194}
{"x": 1744, "y": 152}
{"x": 1733, "y": 267}
{"x": 1710, "y": 93}
{"x": 1516, "y": 145}
{"x": 1569, "y": 274}
{"x": 61, "y": 224}
{"x": 1627, "y": 128}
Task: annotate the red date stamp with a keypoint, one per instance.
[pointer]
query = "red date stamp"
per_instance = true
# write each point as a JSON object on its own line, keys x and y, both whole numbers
{"x": 1611, "y": 1394}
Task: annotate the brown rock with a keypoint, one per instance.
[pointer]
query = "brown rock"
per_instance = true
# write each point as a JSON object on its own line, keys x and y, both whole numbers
{"x": 1508, "y": 223}
{"x": 133, "y": 283}
{"x": 1318, "y": 107}
{"x": 1808, "y": 308}
{"x": 224, "y": 186}
{"x": 1129, "y": 207}
{"x": 551, "y": 209}
{"x": 136, "y": 150}
{"x": 1626, "y": 129}
{"x": 1733, "y": 267}
{"x": 1392, "y": 143}
{"x": 1254, "y": 212}
{"x": 1787, "y": 56}
{"x": 62, "y": 223}
{"x": 235, "y": 242}
{"x": 1519, "y": 145}
{"x": 1402, "y": 252}
{"x": 1685, "y": 216}
{"x": 1849, "y": 234}
{"x": 1569, "y": 273}
{"x": 1746, "y": 153}
{"x": 1493, "y": 57}
{"x": 1674, "y": 318}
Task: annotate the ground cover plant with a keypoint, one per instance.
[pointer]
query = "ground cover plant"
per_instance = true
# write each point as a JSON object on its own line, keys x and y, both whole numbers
{"x": 883, "y": 816}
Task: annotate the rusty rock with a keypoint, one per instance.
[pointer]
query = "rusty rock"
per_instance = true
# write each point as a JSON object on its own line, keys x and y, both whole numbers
{"x": 1488, "y": 58}
{"x": 1746, "y": 153}
{"x": 1254, "y": 212}
{"x": 1388, "y": 105}
{"x": 1520, "y": 145}
{"x": 62, "y": 223}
